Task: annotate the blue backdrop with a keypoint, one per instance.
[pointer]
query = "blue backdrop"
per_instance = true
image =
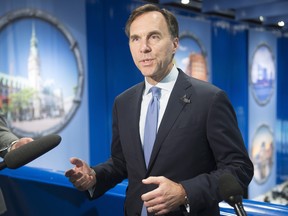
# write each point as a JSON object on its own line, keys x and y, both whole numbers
{"x": 109, "y": 70}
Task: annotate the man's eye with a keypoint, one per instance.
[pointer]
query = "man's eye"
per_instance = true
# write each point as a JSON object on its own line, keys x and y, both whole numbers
{"x": 155, "y": 37}
{"x": 134, "y": 39}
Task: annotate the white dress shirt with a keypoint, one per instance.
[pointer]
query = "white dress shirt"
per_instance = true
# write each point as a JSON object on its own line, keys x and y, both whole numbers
{"x": 166, "y": 85}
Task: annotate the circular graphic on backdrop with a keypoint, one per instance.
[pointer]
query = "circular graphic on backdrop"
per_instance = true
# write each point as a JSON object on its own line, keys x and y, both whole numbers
{"x": 262, "y": 153}
{"x": 41, "y": 73}
{"x": 191, "y": 57}
{"x": 262, "y": 74}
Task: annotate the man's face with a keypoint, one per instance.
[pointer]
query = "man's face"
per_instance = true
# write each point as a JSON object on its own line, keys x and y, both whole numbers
{"x": 151, "y": 46}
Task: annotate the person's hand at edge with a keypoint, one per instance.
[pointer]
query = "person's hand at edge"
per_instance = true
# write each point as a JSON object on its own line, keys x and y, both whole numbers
{"x": 19, "y": 143}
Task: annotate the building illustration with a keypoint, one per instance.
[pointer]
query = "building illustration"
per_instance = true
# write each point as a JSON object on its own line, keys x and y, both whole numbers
{"x": 30, "y": 98}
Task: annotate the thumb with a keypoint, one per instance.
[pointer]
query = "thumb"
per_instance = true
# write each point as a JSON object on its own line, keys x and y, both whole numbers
{"x": 152, "y": 180}
{"x": 77, "y": 162}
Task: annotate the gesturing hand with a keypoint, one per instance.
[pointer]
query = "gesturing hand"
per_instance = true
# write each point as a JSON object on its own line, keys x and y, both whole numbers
{"x": 21, "y": 142}
{"x": 166, "y": 197}
{"x": 81, "y": 176}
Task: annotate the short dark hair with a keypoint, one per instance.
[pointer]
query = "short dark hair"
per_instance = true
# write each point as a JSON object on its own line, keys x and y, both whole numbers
{"x": 171, "y": 20}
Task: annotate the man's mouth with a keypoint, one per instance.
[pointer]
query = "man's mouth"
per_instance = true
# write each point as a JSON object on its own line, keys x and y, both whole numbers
{"x": 146, "y": 61}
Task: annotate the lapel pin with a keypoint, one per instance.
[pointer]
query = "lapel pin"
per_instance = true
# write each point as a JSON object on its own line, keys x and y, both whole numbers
{"x": 185, "y": 99}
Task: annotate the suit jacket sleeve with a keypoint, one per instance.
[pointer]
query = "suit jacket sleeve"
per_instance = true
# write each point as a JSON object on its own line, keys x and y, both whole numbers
{"x": 6, "y": 137}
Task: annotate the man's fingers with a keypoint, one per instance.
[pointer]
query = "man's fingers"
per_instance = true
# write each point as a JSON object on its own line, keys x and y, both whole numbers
{"x": 69, "y": 173}
{"x": 149, "y": 197}
{"x": 74, "y": 177}
{"x": 156, "y": 180}
{"x": 72, "y": 172}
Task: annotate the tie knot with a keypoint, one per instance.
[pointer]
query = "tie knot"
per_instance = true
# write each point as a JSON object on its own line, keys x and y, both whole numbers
{"x": 155, "y": 92}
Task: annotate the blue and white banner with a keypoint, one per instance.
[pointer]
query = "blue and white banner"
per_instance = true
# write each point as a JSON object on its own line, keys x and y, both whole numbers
{"x": 262, "y": 110}
{"x": 42, "y": 75}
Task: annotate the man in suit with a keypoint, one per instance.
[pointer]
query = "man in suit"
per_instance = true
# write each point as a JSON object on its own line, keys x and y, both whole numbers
{"x": 198, "y": 138}
{"x": 9, "y": 141}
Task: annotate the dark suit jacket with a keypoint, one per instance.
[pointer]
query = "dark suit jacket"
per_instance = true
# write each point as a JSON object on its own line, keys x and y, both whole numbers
{"x": 196, "y": 142}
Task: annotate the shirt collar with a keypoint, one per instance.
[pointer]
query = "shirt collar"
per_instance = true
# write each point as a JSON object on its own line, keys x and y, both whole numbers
{"x": 167, "y": 83}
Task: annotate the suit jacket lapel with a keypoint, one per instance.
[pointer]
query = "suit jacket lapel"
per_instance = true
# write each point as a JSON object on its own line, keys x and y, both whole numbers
{"x": 174, "y": 107}
{"x": 135, "y": 101}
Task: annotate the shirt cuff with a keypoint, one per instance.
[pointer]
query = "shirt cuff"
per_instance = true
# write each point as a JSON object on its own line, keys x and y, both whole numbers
{"x": 91, "y": 191}
{"x": 9, "y": 148}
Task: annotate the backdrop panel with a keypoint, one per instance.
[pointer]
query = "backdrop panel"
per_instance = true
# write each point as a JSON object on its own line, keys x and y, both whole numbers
{"x": 262, "y": 109}
{"x": 43, "y": 75}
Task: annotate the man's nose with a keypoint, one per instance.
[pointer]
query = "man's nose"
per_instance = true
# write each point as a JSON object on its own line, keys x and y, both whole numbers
{"x": 145, "y": 47}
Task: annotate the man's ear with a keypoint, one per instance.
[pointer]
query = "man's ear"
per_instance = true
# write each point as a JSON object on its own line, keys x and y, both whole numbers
{"x": 175, "y": 44}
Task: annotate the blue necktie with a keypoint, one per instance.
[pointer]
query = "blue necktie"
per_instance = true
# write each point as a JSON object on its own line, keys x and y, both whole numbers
{"x": 150, "y": 130}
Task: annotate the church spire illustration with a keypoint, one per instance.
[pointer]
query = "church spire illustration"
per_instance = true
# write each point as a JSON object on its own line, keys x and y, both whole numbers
{"x": 34, "y": 68}
{"x": 34, "y": 98}
{"x": 34, "y": 73}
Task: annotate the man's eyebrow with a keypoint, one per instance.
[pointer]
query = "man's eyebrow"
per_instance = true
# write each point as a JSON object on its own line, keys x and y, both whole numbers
{"x": 133, "y": 36}
{"x": 154, "y": 32}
